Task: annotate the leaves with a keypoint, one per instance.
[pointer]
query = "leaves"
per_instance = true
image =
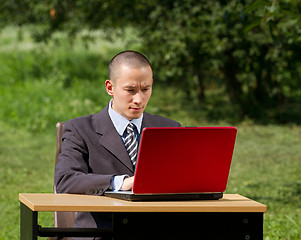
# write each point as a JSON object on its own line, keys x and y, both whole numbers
{"x": 256, "y": 5}
{"x": 247, "y": 47}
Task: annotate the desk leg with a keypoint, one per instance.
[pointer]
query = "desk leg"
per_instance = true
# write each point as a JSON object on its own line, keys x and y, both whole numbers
{"x": 28, "y": 223}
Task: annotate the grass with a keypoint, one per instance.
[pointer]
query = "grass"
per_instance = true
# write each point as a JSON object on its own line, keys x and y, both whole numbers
{"x": 43, "y": 84}
{"x": 266, "y": 167}
{"x": 26, "y": 166}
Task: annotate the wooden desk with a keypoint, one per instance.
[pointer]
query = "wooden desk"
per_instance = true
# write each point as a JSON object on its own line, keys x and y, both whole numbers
{"x": 233, "y": 216}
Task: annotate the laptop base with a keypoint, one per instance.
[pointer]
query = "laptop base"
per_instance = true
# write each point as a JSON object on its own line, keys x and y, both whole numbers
{"x": 130, "y": 196}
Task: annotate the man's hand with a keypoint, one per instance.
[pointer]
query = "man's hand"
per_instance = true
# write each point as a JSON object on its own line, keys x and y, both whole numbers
{"x": 128, "y": 183}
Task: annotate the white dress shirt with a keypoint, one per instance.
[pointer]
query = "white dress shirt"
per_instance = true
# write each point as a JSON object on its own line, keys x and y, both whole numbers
{"x": 120, "y": 123}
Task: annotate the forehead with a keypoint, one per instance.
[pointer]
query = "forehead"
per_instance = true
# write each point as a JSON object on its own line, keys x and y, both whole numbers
{"x": 131, "y": 76}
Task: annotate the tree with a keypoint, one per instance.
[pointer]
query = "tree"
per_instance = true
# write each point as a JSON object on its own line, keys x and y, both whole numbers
{"x": 249, "y": 47}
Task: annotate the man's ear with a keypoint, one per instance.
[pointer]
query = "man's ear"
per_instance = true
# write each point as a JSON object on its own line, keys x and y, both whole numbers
{"x": 109, "y": 87}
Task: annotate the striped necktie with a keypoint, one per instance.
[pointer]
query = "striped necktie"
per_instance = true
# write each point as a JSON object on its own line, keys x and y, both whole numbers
{"x": 131, "y": 143}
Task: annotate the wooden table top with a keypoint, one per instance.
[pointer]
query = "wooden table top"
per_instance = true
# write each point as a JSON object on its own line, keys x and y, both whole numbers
{"x": 49, "y": 202}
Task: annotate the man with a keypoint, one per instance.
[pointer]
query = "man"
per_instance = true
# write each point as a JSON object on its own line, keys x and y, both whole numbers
{"x": 94, "y": 155}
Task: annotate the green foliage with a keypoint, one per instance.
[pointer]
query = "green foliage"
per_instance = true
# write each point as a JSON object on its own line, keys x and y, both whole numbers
{"x": 44, "y": 84}
{"x": 213, "y": 42}
{"x": 250, "y": 48}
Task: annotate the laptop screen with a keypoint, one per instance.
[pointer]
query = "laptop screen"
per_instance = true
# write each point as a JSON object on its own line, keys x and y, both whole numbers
{"x": 184, "y": 160}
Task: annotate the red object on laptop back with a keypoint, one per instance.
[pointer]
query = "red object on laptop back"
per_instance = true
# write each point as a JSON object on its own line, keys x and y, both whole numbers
{"x": 184, "y": 160}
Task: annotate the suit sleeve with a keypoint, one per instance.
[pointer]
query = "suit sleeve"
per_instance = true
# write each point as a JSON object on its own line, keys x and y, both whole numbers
{"x": 72, "y": 173}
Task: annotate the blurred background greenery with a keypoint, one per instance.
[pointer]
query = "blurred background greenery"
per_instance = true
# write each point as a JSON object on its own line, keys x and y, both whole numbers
{"x": 215, "y": 63}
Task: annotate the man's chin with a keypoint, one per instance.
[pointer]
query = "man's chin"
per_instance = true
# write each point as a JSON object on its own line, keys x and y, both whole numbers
{"x": 135, "y": 115}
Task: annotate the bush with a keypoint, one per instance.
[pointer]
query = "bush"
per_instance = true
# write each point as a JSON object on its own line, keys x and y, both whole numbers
{"x": 45, "y": 83}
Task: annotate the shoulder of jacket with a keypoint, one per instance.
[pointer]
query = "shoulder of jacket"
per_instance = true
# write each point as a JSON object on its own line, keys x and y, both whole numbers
{"x": 161, "y": 120}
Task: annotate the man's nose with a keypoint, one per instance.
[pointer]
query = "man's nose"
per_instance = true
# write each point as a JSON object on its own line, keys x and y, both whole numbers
{"x": 138, "y": 98}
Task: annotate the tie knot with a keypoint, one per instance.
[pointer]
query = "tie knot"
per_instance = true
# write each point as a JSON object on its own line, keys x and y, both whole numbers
{"x": 130, "y": 128}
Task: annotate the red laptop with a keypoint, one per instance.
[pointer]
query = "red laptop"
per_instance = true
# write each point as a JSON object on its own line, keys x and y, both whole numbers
{"x": 182, "y": 164}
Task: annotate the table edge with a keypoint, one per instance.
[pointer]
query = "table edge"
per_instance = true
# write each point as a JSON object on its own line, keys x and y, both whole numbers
{"x": 258, "y": 208}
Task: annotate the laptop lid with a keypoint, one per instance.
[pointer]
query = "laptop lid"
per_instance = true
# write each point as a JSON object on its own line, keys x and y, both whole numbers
{"x": 184, "y": 160}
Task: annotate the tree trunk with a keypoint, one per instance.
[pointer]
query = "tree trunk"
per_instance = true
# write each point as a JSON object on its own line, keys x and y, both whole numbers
{"x": 233, "y": 86}
{"x": 200, "y": 91}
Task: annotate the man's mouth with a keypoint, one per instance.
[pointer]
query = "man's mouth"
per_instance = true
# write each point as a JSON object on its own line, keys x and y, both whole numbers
{"x": 136, "y": 109}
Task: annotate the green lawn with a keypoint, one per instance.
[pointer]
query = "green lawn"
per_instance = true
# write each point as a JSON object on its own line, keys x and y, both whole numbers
{"x": 266, "y": 167}
{"x": 27, "y": 165}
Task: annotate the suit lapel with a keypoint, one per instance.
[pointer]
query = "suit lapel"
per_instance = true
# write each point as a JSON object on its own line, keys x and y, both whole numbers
{"x": 110, "y": 138}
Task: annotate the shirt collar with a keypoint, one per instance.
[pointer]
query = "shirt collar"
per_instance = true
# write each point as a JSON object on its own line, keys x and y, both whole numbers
{"x": 120, "y": 122}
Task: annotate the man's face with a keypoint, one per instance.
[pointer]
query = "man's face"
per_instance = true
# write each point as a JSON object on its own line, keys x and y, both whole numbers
{"x": 131, "y": 90}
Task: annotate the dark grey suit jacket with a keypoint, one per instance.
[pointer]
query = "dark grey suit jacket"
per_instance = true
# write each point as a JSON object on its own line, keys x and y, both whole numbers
{"x": 93, "y": 152}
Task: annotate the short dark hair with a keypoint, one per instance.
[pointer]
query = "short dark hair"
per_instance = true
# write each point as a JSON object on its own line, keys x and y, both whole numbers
{"x": 131, "y": 58}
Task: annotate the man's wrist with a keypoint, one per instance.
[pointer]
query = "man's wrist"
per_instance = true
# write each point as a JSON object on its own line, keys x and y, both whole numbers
{"x": 117, "y": 181}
